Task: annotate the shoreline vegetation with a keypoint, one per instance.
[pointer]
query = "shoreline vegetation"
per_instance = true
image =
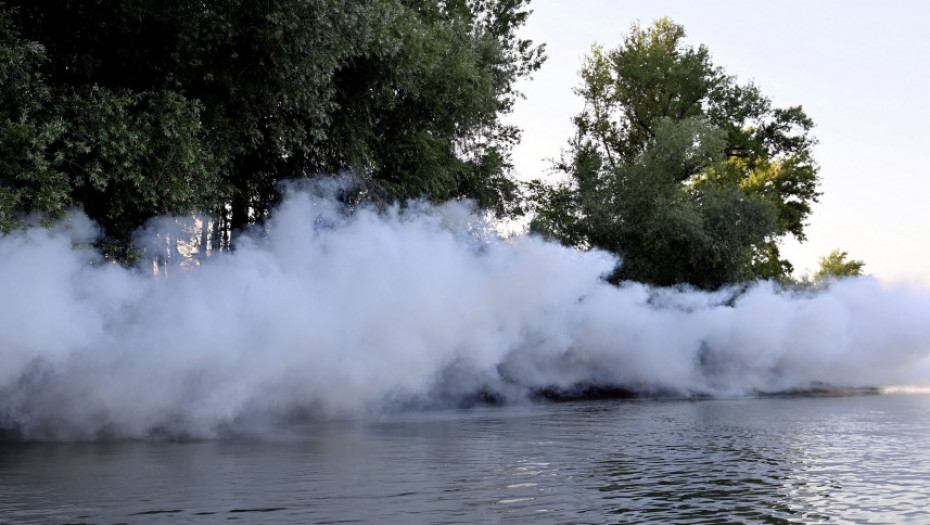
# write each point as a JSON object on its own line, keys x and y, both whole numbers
{"x": 129, "y": 112}
{"x": 686, "y": 174}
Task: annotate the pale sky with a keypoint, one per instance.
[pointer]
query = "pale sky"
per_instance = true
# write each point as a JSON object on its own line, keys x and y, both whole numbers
{"x": 859, "y": 69}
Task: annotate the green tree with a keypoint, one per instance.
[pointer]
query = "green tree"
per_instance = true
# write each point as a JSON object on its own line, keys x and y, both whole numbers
{"x": 688, "y": 175}
{"x": 209, "y": 105}
{"x": 123, "y": 156}
{"x": 836, "y": 266}
{"x": 420, "y": 115}
{"x": 29, "y": 183}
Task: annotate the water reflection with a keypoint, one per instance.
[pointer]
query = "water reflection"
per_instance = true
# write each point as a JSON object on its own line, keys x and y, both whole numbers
{"x": 777, "y": 461}
{"x": 802, "y": 460}
{"x": 707, "y": 460}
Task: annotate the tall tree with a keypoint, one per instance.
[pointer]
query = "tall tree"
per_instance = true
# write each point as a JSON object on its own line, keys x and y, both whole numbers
{"x": 181, "y": 105}
{"x": 688, "y": 175}
{"x": 123, "y": 155}
{"x": 29, "y": 180}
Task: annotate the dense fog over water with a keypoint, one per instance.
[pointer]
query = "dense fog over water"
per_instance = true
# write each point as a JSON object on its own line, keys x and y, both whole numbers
{"x": 334, "y": 313}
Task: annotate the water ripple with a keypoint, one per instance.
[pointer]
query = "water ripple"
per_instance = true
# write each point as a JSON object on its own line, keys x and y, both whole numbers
{"x": 800, "y": 460}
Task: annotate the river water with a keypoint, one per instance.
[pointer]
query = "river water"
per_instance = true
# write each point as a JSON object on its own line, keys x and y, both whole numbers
{"x": 857, "y": 459}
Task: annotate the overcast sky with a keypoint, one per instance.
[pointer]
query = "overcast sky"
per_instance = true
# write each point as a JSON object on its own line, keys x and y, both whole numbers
{"x": 859, "y": 69}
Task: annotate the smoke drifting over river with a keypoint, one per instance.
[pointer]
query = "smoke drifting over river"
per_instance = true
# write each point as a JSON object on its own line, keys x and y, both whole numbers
{"x": 333, "y": 313}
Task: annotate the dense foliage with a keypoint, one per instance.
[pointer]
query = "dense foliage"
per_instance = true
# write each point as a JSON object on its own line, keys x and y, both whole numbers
{"x": 688, "y": 175}
{"x": 135, "y": 109}
{"x": 131, "y": 110}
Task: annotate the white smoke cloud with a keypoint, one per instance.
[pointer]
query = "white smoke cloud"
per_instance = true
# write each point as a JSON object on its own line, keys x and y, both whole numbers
{"x": 336, "y": 313}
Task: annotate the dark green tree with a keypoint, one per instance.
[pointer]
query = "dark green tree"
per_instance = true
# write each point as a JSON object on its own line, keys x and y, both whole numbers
{"x": 29, "y": 183}
{"x": 164, "y": 107}
{"x": 688, "y": 175}
{"x": 122, "y": 155}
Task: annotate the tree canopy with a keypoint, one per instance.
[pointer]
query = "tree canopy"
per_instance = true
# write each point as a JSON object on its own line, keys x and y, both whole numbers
{"x": 835, "y": 265}
{"x": 688, "y": 175}
{"x": 135, "y": 109}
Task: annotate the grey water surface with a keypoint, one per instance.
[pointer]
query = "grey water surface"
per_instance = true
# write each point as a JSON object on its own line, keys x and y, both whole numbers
{"x": 857, "y": 459}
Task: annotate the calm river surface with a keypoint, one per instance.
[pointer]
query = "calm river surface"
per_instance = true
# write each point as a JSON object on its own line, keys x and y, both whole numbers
{"x": 860, "y": 459}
